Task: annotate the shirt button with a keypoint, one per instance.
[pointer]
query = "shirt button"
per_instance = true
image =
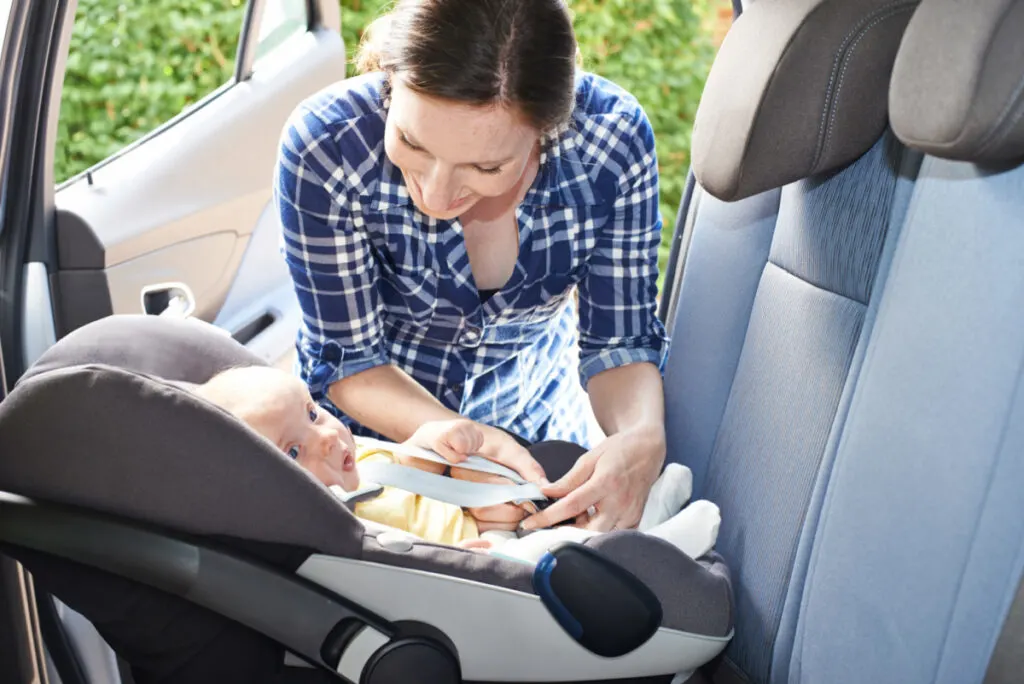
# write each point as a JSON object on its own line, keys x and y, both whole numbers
{"x": 457, "y": 388}
{"x": 470, "y": 338}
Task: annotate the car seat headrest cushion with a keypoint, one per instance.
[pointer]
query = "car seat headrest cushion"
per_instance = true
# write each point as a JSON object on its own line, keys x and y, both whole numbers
{"x": 958, "y": 82}
{"x": 799, "y": 87}
{"x": 118, "y": 442}
{"x": 178, "y": 350}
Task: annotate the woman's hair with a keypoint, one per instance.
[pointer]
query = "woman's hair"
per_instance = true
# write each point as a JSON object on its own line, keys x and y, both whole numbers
{"x": 516, "y": 53}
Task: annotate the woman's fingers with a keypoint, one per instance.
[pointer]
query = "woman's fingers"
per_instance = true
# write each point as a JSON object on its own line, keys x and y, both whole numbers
{"x": 448, "y": 452}
{"x": 520, "y": 460}
{"x": 463, "y": 437}
{"x": 603, "y": 522}
{"x": 574, "y": 504}
{"x": 502, "y": 448}
{"x": 572, "y": 480}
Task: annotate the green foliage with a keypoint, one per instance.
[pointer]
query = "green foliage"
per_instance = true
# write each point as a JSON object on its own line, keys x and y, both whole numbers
{"x": 133, "y": 66}
{"x": 660, "y": 51}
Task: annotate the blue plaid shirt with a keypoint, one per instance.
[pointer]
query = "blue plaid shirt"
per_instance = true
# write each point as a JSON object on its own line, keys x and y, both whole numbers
{"x": 379, "y": 282}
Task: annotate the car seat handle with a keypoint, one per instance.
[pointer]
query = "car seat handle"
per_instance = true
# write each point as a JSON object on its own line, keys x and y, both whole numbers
{"x": 601, "y": 605}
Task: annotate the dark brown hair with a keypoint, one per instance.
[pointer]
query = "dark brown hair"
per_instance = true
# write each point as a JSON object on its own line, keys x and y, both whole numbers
{"x": 516, "y": 53}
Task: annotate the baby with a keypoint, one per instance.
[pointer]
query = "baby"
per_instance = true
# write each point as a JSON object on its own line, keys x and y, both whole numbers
{"x": 278, "y": 406}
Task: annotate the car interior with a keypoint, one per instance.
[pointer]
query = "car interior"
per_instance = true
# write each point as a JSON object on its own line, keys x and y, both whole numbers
{"x": 844, "y": 297}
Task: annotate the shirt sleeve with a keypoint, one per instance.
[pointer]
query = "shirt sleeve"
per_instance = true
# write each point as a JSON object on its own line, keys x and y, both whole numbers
{"x": 329, "y": 256}
{"x": 618, "y": 316}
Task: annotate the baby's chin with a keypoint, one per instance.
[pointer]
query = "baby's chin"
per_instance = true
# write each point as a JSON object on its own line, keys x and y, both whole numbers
{"x": 350, "y": 480}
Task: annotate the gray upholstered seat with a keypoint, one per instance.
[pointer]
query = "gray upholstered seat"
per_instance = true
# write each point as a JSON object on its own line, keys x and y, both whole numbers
{"x": 845, "y": 375}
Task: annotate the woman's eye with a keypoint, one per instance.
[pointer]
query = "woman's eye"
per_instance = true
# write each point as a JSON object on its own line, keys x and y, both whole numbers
{"x": 401, "y": 136}
{"x": 293, "y": 452}
{"x": 313, "y": 415}
{"x": 490, "y": 172}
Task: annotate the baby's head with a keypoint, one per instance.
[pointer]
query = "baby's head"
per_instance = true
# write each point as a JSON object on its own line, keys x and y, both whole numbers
{"x": 278, "y": 405}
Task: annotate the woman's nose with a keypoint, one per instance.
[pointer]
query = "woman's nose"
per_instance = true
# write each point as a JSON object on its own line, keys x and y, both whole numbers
{"x": 437, "y": 190}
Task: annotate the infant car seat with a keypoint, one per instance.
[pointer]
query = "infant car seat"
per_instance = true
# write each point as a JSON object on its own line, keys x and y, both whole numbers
{"x": 203, "y": 554}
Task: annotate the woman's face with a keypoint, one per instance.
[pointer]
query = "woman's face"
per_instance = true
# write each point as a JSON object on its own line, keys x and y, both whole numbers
{"x": 453, "y": 155}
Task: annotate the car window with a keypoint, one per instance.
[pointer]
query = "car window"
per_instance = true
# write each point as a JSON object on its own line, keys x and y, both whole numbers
{"x": 132, "y": 66}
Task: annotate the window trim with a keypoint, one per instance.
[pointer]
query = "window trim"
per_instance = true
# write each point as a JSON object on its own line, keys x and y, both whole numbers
{"x": 247, "y": 39}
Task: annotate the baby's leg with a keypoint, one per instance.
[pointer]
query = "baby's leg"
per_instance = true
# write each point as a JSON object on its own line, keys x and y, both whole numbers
{"x": 693, "y": 530}
{"x": 669, "y": 494}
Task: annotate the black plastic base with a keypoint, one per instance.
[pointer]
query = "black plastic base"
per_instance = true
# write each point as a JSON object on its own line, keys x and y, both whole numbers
{"x": 417, "y": 653}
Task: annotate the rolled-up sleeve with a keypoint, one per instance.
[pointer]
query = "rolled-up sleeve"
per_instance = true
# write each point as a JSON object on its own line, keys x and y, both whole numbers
{"x": 619, "y": 323}
{"x": 329, "y": 256}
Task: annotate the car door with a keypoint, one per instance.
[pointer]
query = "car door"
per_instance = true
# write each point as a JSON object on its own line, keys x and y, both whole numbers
{"x": 180, "y": 222}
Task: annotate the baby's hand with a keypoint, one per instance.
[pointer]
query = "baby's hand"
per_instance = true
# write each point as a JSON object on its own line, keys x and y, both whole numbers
{"x": 455, "y": 440}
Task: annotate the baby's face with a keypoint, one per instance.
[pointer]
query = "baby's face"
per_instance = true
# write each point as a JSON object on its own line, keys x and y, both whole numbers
{"x": 317, "y": 440}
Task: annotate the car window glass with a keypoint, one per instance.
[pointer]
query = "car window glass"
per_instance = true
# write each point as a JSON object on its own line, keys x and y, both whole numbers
{"x": 132, "y": 66}
{"x": 282, "y": 21}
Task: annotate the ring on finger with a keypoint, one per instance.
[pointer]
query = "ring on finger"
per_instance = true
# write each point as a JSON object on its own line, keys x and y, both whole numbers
{"x": 591, "y": 511}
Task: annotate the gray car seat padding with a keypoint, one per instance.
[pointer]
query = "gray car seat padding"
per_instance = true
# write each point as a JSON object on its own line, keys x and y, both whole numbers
{"x": 121, "y": 441}
{"x": 957, "y": 91}
{"x": 798, "y": 361}
{"x": 927, "y": 477}
{"x": 799, "y": 87}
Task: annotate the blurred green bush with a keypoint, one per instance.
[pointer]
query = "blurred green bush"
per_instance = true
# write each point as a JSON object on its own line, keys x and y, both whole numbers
{"x": 133, "y": 66}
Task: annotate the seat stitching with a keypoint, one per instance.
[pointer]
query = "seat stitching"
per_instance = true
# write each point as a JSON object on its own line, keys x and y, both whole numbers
{"x": 841, "y": 59}
{"x": 846, "y": 62}
{"x": 1003, "y": 127}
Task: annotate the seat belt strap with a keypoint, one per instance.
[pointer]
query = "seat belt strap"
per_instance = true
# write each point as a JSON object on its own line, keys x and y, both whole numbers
{"x": 1007, "y": 663}
{"x": 458, "y": 492}
{"x": 477, "y": 463}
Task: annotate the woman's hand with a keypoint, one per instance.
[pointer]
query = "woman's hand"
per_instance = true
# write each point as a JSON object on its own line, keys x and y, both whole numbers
{"x": 500, "y": 447}
{"x": 456, "y": 440}
{"x": 615, "y": 478}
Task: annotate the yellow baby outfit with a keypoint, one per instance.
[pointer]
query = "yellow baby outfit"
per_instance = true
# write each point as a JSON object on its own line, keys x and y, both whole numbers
{"x": 432, "y": 520}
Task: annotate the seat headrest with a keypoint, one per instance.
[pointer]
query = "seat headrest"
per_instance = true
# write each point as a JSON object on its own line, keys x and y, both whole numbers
{"x": 958, "y": 82}
{"x": 95, "y": 423}
{"x": 799, "y": 87}
{"x": 188, "y": 351}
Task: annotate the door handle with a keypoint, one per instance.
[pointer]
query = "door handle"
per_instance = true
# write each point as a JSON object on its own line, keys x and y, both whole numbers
{"x": 168, "y": 299}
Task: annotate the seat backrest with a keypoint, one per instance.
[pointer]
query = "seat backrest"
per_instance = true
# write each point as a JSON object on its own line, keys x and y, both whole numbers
{"x": 801, "y": 193}
{"x": 920, "y": 547}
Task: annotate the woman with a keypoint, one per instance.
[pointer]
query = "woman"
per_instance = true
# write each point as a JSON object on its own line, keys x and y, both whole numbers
{"x": 472, "y": 228}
